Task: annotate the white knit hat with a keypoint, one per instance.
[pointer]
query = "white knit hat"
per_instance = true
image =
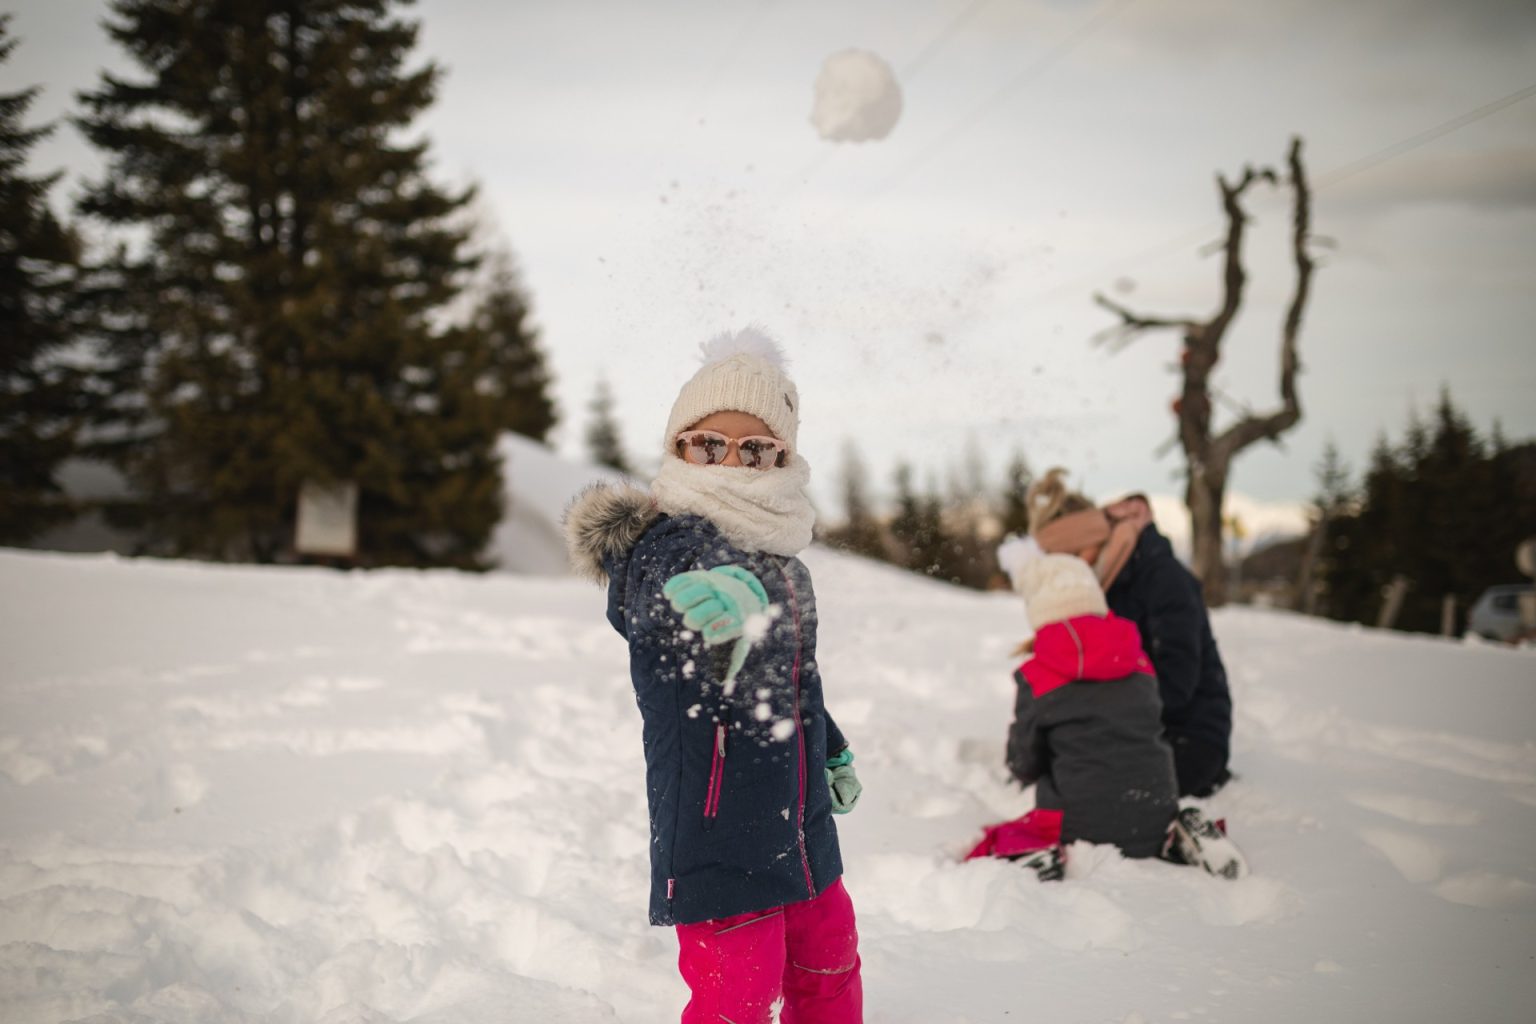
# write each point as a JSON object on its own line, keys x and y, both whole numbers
{"x": 743, "y": 371}
{"x": 1060, "y": 587}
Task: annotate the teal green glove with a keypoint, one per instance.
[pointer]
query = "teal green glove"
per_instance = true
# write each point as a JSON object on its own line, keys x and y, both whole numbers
{"x": 843, "y": 783}
{"x": 716, "y": 602}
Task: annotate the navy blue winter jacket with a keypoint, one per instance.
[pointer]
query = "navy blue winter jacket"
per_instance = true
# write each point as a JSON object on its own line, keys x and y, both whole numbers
{"x": 741, "y": 816}
{"x": 1155, "y": 591}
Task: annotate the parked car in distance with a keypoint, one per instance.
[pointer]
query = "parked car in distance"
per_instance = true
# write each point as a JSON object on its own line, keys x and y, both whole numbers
{"x": 1496, "y": 614}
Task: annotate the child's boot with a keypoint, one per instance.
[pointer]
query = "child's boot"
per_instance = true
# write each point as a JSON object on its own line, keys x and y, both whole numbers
{"x": 1194, "y": 839}
{"x": 1050, "y": 864}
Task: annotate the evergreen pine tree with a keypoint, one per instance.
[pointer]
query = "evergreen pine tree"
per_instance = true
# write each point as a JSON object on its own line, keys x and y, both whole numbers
{"x": 39, "y": 396}
{"x": 1443, "y": 510}
{"x": 1331, "y": 506}
{"x": 860, "y": 534}
{"x": 1359, "y": 552}
{"x": 275, "y": 317}
{"x": 604, "y": 445}
{"x": 964, "y": 558}
{"x": 1469, "y": 538}
{"x": 1333, "y": 486}
{"x": 938, "y": 552}
{"x": 907, "y": 523}
{"x": 918, "y": 527}
{"x": 516, "y": 377}
{"x": 1015, "y": 510}
{"x": 1514, "y": 471}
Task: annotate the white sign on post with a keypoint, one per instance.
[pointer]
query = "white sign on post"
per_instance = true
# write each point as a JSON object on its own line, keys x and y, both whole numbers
{"x": 327, "y": 519}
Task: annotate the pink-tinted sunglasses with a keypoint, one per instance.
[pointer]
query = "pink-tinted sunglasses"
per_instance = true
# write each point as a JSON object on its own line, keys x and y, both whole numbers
{"x": 711, "y": 448}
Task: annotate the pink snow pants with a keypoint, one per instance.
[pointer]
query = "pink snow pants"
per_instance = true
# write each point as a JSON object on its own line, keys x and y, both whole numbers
{"x": 1036, "y": 830}
{"x": 738, "y": 967}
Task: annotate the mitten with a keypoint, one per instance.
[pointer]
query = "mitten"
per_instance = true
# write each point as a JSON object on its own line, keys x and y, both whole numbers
{"x": 716, "y": 602}
{"x": 842, "y": 781}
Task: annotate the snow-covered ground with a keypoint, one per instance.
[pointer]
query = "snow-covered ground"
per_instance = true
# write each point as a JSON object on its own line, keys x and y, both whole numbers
{"x": 297, "y": 795}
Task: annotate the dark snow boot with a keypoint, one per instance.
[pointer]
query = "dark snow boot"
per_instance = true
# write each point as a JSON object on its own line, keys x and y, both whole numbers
{"x": 1049, "y": 864}
{"x": 1196, "y": 840}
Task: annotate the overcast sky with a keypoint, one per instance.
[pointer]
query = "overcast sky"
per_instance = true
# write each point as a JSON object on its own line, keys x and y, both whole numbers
{"x": 655, "y": 171}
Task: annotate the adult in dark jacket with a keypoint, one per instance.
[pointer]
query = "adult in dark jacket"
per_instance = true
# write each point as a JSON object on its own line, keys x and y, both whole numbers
{"x": 1146, "y": 584}
{"x": 1087, "y": 726}
{"x": 1156, "y": 592}
{"x": 744, "y": 767}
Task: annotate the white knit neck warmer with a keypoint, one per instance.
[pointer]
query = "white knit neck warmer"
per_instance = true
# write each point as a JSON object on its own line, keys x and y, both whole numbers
{"x": 756, "y": 509}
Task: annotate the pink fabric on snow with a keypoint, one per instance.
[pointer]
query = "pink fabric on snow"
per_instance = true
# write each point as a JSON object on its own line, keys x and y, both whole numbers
{"x": 738, "y": 967}
{"x": 1037, "y": 830}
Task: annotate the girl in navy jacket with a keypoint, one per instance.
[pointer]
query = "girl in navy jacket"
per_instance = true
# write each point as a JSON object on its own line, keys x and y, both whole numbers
{"x": 744, "y": 766}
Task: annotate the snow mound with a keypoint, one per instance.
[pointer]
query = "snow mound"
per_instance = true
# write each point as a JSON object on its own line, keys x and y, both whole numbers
{"x": 539, "y": 484}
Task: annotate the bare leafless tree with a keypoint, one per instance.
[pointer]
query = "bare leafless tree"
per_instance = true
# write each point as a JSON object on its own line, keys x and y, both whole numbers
{"x": 1209, "y": 455}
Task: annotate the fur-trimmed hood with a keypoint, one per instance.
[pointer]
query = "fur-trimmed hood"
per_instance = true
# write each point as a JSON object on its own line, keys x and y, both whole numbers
{"x": 605, "y": 521}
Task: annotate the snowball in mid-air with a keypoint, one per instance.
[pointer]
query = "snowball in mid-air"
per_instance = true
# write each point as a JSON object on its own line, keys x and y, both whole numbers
{"x": 857, "y": 98}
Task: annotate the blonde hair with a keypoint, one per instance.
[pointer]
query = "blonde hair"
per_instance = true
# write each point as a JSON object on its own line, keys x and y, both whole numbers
{"x": 1048, "y": 499}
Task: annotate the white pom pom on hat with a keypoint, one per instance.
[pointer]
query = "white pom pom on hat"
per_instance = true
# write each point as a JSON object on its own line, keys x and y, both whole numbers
{"x": 743, "y": 371}
{"x": 1060, "y": 587}
{"x": 749, "y": 341}
{"x": 1014, "y": 553}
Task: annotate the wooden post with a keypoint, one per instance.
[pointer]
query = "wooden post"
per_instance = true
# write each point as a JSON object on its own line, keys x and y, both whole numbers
{"x": 1392, "y": 602}
{"x": 1448, "y": 615}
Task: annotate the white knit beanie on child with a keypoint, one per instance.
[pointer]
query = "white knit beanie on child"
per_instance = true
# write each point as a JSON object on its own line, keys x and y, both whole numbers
{"x": 1060, "y": 587}
{"x": 743, "y": 371}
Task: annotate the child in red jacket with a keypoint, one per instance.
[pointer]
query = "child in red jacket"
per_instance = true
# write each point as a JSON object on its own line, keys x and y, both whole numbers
{"x": 1087, "y": 728}
{"x": 1087, "y": 731}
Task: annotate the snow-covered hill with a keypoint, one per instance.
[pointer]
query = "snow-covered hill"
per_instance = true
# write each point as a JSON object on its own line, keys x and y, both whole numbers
{"x": 296, "y": 795}
{"x": 537, "y": 485}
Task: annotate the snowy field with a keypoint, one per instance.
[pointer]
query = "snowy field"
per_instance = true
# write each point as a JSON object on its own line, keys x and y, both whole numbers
{"x": 299, "y": 796}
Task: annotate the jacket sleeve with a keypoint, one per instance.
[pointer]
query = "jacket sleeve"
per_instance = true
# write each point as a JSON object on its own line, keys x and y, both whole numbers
{"x": 1026, "y": 753}
{"x": 636, "y": 605}
{"x": 1175, "y": 626}
{"x": 618, "y": 615}
{"x": 836, "y": 741}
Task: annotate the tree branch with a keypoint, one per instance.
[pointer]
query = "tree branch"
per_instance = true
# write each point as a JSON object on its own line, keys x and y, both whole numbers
{"x": 1132, "y": 324}
{"x": 1233, "y": 277}
{"x": 1252, "y": 428}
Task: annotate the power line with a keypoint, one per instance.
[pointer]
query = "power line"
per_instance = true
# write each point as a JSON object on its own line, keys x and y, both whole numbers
{"x": 729, "y": 54}
{"x": 1320, "y": 183}
{"x": 942, "y": 39}
{"x": 1047, "y": 60}
{"x": 1413, "y": 142}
